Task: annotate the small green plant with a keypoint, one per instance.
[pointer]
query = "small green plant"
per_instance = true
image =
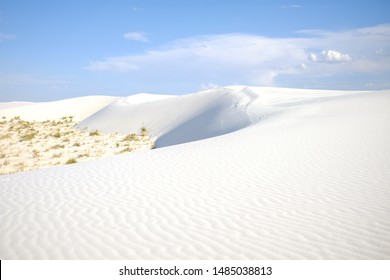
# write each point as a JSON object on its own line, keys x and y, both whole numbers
{"x": 130, "y": 137}
{"x": 5, "y": 136}
{"x": 56, "y": 135}
{"x": 28, "y": 136}
{"x": 77, "y": 144}
{"x": 24, "y": 124}
{"x": 94, "y": 133}
{"x": 144, "y": 131}
{"x": 35, "y": 153}
{"x": 84, "y": 155}
{"x": 126, "y": 150}
{"x": 57, "y": 155}
{"x": 71, "y": 161}
{"x": 58, "y": 146}
{"x": 21, "y": 167}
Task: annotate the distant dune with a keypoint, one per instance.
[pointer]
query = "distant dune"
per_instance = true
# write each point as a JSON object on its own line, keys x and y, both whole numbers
{"x": 238, "y": 173}
{"x": 79, "y": 108}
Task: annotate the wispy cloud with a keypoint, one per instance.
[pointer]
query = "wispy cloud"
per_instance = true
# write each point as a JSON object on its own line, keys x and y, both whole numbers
{"x": 251, "y": 59}
{"x": 30, "y": 79}
{"x": 136, "y": 36}
{"x": 136, "y": 9}
{"x": 292, "y": 6}
{"x": 23, "y": 86}
{"x": 5, "y": 37}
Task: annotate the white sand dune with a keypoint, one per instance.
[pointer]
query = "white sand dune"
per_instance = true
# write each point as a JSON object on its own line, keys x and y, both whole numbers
{"x": 293, "y": 174}
{"x": 79, "y": 107}
{"x": 206, "y": 114}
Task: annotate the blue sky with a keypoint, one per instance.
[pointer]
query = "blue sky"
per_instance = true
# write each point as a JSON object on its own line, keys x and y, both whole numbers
{"x": 52, "y": 50}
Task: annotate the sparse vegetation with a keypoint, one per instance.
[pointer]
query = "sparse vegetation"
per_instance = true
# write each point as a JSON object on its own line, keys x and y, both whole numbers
{"x": 58, "y": 146}
{"x": 28, "y": 136}
{"x": 71, "y": 161}
{"x": 94, "y": 133}
{"x": 83, "y": 155}
{"x": 5, "y": 136}
{"x": 131, "y": 137}
{"x": 36, "y": 153}
{"x": 27, "y": 145}
{"x": 126, "y": 150}
{"x": 57, "y": 134}
{"x": 144, "y": 131}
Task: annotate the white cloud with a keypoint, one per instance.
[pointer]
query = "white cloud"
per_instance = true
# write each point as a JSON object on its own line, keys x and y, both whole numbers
{"x": 228, "y": 56}
{"x": 115, "y": 64}
{"x": 251, "y": 59}
{"x": 329, "y": 56}
{"x": 136, "y": 36}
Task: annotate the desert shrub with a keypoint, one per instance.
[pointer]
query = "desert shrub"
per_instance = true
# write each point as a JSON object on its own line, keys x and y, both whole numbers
{"x": 5, "y": 136}
{"x": 28, "y": 136}
{"x": 24, "y": 124}
{"x": 58, "y": 146}
{"x": 130, "y": 137}
{"x": 77, "y": 144}
{"x": 94, "y": 133}
{"x": 84, "y": 155}
{"x": 21, "y": 167}
{"x": 35, "y": 153}
{"x": 144, "y": 131}
{"x": 56, "y": 135}
{"x": 126, "y": 150}
{"x": 71, "y": 161}
{"x": 57, "y": 155}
